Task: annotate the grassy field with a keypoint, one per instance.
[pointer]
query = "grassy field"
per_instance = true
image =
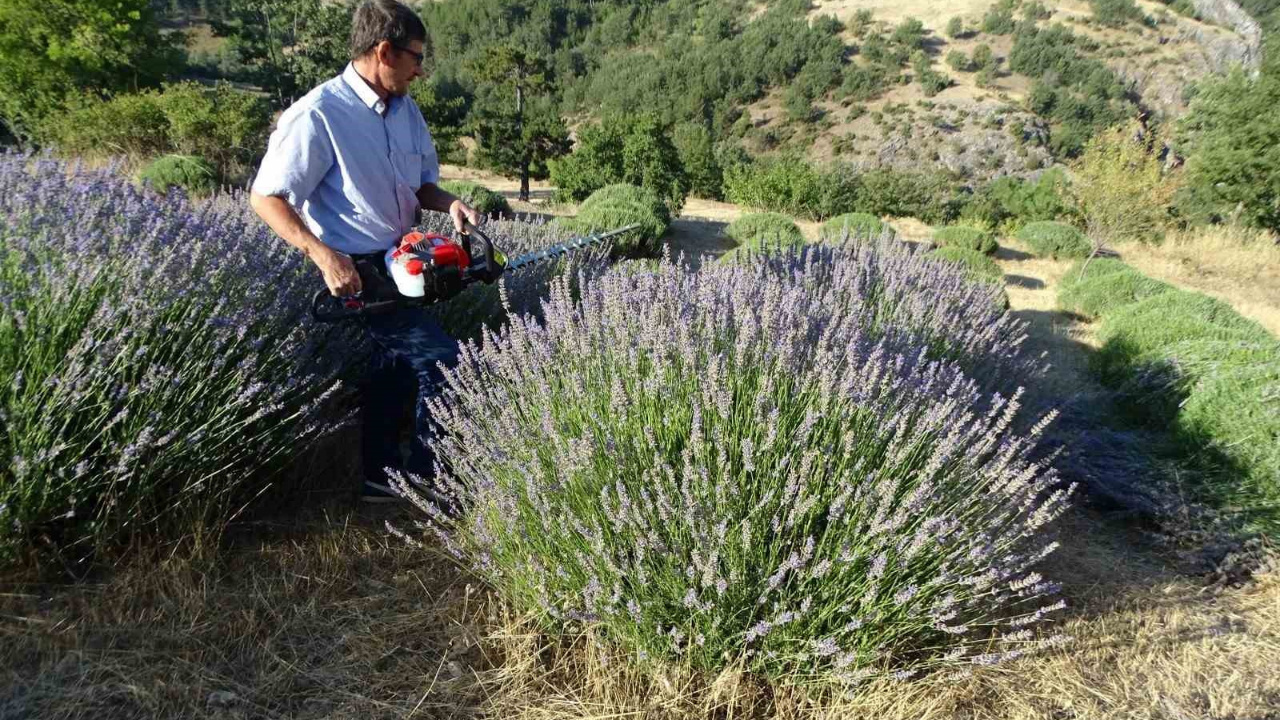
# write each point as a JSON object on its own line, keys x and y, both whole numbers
{"x": 319, "y": 612}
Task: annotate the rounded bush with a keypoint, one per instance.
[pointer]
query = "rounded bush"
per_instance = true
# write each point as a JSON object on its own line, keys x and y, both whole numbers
{"x": 479, "y": 197}
{"x": 762, "y": 231}
{"x": 1140, "y": 334}
{"x": 970, "y": 238}
{"x": 1101, "y": 290}
{"x": 790, "y": 483}
{"x": 854, "y": 226}
{"x": 979, "y": 266}
{"x": 1056, "y": 240}
{"x": 189, "y": 172}
{"x": 616, "y": 206}
{"x": 1232, "y": 408}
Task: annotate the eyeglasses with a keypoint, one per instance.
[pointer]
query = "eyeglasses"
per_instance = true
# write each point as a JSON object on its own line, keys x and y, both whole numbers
{"x": 417, "y": 56}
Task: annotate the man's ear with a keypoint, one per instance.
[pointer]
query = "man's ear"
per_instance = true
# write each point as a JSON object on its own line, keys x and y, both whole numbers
{"x": 385, "y": 52}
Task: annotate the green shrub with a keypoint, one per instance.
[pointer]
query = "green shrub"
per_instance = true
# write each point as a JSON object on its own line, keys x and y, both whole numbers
{"x": 132, "y": 124}
{"x": 1232, "y": 413}
{"x": 1116, "y": 13}
{"x": 1051, "y": 239}
{"x": 970, "y": 238}
{"x": 862, "y": 226}
{"x": 959, "y": 61}
{"x": 955, "y": 27}
{"x": 1105, "y": 286}
{"x": 230, "y": 127}
{"x": 1189, "y": 363}
{"x": 979, "y": 266}
{"x": 1140, "y": 334}
{"x": 762, "y": 231}
{"x": 933, "y": 82}
{"x": 865, "y": 81}
{"x": 1074, "y": 90}
{"x": 189, "y": 172}
{"x": 1232, "y": 146}
{"x": 226, "y": 126}
{"x": 791, "y": 185}
{"x": 999, "y": 19}
{"x": 897, "y": 193}
{"x": 983, "y": 58}
{"x": 479, "y": 197}
{"x": 1010, "y": 202}
{"x": 615, "y": 206}
{"x": 1036, "y": 10}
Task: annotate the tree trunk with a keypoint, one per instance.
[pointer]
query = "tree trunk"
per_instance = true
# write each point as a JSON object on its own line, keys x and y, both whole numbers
{"x": 524, "y": 157}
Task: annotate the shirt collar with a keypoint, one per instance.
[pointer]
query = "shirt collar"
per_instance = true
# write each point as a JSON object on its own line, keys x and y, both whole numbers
{"x": 363, "y": 91}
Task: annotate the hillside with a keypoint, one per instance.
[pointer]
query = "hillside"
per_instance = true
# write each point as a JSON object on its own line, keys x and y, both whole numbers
{"x": 980, "y": 130}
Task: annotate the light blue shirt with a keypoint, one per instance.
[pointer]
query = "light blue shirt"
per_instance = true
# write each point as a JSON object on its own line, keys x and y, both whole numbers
{"x": 350, "y": 163}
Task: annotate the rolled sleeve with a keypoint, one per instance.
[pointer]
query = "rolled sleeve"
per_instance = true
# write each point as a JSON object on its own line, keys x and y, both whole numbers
{"x": 299, "y": 155}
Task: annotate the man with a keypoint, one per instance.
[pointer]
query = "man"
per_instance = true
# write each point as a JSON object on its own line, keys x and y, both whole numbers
{"x": 347, "y": 170}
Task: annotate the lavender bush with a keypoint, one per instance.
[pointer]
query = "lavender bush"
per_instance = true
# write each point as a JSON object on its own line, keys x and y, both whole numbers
{"x": 156, "y": 358}
{"x": 757, "y": 461}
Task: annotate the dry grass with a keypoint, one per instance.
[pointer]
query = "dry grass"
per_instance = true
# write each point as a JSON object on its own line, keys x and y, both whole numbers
{"x": 1172, "y": 652}
{"x": 1237, "y": 265}
{"x": 330, "y": 618}
{"x": 310, "y": 619}
{"x": 934, "y": 15}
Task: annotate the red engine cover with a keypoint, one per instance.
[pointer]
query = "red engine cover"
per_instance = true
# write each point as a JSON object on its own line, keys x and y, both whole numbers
{"x": 450, "y": 254}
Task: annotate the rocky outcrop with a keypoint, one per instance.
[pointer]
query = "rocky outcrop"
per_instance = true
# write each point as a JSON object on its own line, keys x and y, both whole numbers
{"x": 1189, "y": 52}
{"x": 979, "y": 143}
{"x": 1230, "y": 14}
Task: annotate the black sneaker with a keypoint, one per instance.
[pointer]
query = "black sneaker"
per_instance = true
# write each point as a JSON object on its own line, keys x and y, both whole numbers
{"x": 376, "y": 493}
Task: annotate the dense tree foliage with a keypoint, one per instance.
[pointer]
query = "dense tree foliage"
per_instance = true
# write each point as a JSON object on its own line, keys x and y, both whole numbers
{"x": 50, "y": 49}
{"x": 631, "y": 149}
{"x": 289, "y": 46}
{"x": 1231, "y": 137}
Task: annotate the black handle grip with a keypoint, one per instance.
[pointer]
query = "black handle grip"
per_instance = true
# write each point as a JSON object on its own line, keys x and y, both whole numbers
{"x": 486, "y": 268}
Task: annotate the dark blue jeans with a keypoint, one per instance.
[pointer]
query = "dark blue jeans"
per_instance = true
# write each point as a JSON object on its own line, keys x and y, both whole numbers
{"x": 403, "y": 373}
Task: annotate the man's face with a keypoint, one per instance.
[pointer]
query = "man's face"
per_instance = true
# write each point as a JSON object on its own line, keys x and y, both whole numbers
{"x": 405, "y": 66}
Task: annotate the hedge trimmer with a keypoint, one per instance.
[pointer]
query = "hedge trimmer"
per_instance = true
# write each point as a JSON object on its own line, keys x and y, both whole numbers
{"x": 428, "y": 268}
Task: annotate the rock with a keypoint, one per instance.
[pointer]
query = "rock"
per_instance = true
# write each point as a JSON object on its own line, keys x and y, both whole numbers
{"x": 1230, "y": 14}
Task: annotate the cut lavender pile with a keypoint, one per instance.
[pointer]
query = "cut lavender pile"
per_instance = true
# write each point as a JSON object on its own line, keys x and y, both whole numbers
{"x": 157, "y": 361}
{"x": 780, "y": 461}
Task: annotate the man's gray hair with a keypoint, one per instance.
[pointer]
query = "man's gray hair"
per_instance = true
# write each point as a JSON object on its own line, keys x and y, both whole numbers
{"x": 378, "y": 20}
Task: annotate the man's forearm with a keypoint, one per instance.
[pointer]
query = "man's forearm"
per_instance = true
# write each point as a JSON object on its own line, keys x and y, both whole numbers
{"x": 285, "y": 221}
{"x": 433, "y": 197}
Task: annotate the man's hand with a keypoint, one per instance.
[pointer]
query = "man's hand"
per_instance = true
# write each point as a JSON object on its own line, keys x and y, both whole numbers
{"x": 339, "y": 272}
{"x": 461, "y": 212}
